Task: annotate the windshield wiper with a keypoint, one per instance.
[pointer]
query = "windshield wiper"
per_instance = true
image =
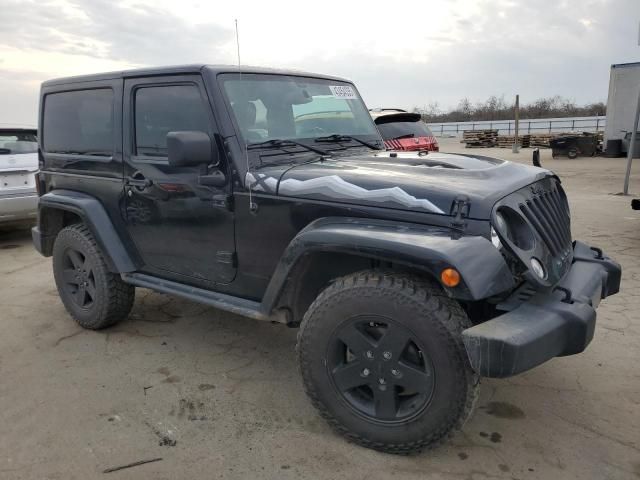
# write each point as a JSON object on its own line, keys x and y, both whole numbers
{"x": 408, "y": 135}
{"x": 346, "y": 138}
{"x": 277, "y": 142}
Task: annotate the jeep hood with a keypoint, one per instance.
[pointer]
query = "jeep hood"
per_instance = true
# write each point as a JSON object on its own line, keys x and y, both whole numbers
{"x": 409, "y": 181}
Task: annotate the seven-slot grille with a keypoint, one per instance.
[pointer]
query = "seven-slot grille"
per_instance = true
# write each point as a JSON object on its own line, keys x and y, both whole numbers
{"x": 548, "y": 213}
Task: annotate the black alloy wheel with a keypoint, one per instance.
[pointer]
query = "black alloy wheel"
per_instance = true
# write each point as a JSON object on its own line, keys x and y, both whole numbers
{"x": 79, "y": 280}
{"x": 380, "y": 369}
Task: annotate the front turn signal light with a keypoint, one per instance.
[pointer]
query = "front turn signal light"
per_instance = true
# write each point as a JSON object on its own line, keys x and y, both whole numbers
{"x": 450, "y": 277}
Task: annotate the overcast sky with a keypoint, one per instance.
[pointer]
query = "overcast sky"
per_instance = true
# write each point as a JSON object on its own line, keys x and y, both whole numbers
{"x": 400, "y": 54}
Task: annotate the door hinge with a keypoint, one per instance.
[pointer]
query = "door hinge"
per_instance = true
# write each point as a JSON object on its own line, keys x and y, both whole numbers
{"x": 224, "y": 201}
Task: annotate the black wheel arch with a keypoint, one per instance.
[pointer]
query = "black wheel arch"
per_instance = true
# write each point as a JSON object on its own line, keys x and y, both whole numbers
{"x": 60, "y": 208}
{"x": 331, "y": 247}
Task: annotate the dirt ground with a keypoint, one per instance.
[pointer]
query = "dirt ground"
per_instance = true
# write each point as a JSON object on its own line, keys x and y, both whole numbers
{"x": 218, "y": 396}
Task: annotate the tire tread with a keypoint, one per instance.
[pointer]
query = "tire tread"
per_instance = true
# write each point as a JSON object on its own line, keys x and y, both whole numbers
{"x": 451, "y": 317}
{"x": 120, "y": 295}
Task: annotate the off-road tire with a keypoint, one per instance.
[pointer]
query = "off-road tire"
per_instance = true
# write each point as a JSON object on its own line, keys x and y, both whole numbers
{"x": 422, "y": 306}
{"x": 114, "y": 298}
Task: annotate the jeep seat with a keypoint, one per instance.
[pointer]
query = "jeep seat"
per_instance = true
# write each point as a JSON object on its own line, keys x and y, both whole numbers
{"x": 246, "y": 115}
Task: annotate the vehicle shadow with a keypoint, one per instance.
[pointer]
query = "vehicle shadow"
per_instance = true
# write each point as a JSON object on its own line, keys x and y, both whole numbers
{"x": 15, "y": 233}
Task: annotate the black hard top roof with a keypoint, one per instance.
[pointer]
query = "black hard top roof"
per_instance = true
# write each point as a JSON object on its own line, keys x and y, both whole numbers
{"x": 178, "y": 69}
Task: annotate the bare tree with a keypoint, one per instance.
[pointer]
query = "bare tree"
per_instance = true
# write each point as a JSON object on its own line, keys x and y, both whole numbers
{"x": 496, "y": 108}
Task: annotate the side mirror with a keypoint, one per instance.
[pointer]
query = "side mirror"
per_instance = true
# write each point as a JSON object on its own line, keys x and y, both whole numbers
{"x": 187, "y": 149}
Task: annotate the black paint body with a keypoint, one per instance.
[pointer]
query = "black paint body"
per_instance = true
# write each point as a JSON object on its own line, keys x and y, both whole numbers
{"x": 314, "y": 216}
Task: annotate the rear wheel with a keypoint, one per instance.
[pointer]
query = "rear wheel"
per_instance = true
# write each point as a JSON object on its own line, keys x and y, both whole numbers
{"x": 95, "y": 297}
{"x": 573, "y": 153}
{"x": 382, "y": 360}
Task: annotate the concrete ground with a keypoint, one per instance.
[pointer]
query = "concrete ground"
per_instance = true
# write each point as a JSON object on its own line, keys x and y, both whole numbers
{"x": 218, "y": 396}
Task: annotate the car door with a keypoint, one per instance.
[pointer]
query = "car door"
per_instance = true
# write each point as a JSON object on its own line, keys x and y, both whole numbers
{"x": 183, "y": 230}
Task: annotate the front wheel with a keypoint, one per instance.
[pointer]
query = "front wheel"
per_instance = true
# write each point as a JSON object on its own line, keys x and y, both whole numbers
{"x": 382, "y": 360}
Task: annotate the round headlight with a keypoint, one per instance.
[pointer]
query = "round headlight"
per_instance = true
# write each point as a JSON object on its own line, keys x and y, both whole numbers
{"x": 501, "y": 223}
{"x": 495, "y": 239}
{"x": 514, "y": 229}
{"x": 537, "y": 268}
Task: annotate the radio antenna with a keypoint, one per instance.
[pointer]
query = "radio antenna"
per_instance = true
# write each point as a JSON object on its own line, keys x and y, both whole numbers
{"x": 252, "y": 206}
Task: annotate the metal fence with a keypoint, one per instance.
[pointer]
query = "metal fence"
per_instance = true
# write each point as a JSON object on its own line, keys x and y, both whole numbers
{"x": 506, "y": 127}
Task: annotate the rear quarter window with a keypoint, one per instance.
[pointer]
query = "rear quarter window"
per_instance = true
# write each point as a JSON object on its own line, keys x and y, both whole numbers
{"x": 79, "y": 122}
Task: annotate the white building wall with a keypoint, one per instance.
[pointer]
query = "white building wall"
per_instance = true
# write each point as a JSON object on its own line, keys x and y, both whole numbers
{"x": 624, "y": 86}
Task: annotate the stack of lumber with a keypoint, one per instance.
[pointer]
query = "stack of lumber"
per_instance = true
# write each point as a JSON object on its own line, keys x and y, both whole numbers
{"x": 490, "y": 138}
{"x": 541, "y": 139}
{"x": 599, "y": 141}
{"x": 479, "y": 138}
{"x": 506, "y": 141}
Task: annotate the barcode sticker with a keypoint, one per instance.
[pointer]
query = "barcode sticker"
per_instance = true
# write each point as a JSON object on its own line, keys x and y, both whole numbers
{"x": 343, "y": 91}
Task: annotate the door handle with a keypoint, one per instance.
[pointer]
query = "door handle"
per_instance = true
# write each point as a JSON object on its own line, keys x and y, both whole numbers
{"x": 215, "y": 179}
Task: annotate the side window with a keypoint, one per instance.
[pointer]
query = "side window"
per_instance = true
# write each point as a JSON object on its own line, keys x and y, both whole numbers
{"x": 160, "y": 110}
{"x": 79, "y": 122}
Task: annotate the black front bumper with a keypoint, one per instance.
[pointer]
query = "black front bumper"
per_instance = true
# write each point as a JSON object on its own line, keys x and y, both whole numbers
{"x": 548, "y": 325}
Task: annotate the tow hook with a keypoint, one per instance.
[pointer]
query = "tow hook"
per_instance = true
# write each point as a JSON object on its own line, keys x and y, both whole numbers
{"x": 567, "y": 294}
{"x": 598, "y": 251}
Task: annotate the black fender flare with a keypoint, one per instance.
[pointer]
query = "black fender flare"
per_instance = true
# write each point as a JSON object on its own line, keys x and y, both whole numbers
{"x": 482, "y": 268}
{"x": 94, "y": 215}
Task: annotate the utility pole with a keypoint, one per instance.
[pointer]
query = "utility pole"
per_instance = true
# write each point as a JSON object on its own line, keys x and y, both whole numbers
{"x": 634, "y": 134}
{"x": 516, "y": 125}
{"x": 632, "y": 145}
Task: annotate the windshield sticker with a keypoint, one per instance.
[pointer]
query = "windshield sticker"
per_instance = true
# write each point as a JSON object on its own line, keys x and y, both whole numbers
{"x": 343, "y": 91}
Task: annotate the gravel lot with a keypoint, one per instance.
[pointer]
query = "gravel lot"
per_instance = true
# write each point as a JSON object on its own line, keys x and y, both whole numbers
{"x": 218, "y": 396}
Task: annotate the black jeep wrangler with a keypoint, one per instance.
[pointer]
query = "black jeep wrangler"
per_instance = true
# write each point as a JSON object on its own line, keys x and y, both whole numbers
{"x": 269, "y": 194}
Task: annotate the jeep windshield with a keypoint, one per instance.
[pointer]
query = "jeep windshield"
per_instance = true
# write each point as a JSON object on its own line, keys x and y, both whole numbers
{"x": 270, "y": 110}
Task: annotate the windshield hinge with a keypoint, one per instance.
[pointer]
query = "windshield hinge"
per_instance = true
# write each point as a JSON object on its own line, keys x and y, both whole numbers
{"x": 223, "y": 200}
{"x": 460, "y": 211}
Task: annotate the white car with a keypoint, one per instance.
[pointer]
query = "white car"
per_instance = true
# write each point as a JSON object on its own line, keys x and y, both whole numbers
{"x": 18, "y": 166}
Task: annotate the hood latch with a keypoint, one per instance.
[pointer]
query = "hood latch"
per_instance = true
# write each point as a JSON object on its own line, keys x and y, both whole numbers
{"x": 460, "y": 210}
